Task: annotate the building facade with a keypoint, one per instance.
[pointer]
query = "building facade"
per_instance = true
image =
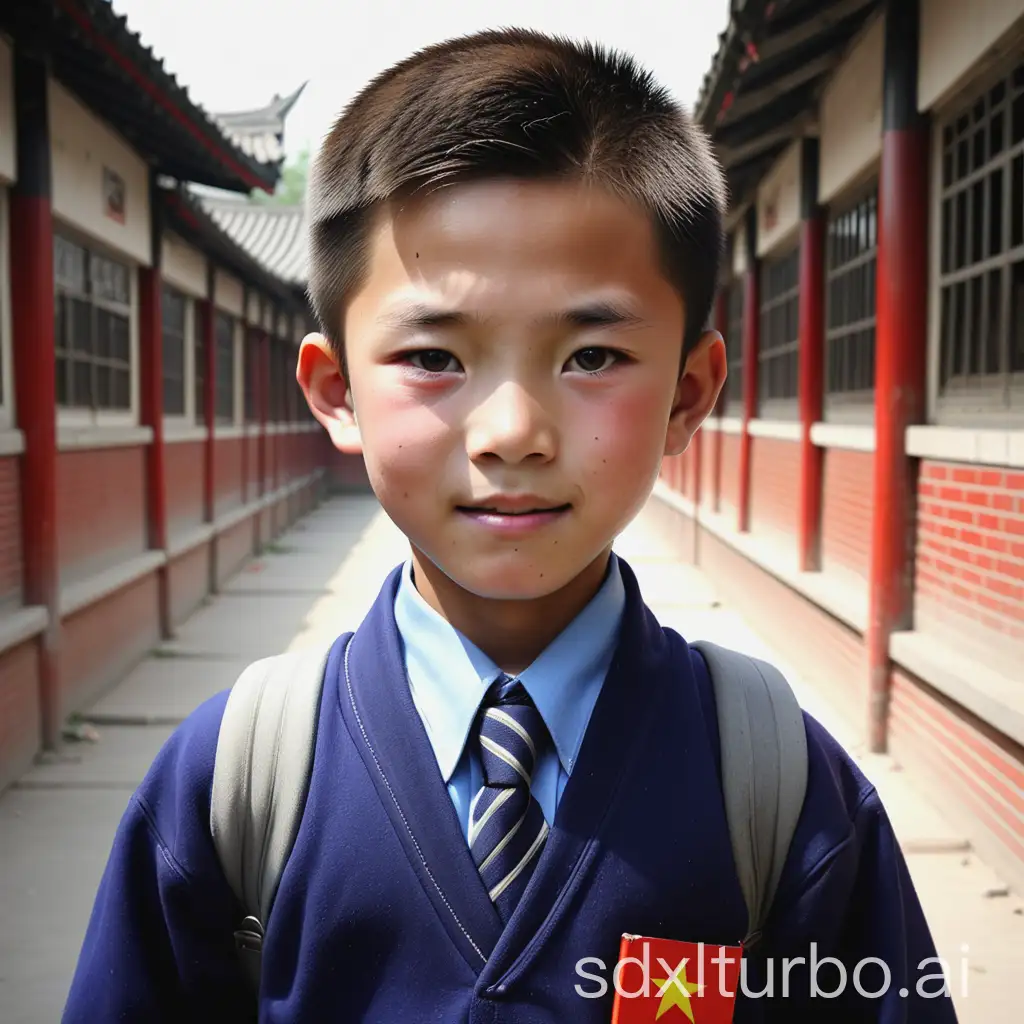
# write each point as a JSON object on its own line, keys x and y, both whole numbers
{"x": 860, "y": 491}
{"x": 152, "y": 435}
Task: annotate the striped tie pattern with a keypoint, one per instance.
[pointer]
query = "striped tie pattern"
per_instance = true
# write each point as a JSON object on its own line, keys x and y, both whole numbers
{"x": 507, "y": 829}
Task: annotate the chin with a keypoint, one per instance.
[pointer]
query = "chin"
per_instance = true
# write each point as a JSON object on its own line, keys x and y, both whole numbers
{"x": 507, "y": 578}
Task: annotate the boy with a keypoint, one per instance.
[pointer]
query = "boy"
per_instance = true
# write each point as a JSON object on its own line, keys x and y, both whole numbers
{"x": 515, "y": 244}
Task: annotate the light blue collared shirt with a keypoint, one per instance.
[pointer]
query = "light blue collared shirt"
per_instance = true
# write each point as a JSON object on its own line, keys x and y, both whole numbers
{"x": 449, "y": 676}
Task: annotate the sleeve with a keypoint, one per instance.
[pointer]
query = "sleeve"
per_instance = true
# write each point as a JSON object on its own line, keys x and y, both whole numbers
{"x": 847, "y": 916}
{"x": 160, "y": 941}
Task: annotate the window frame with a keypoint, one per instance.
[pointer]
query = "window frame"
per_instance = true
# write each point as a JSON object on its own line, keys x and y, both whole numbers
{"x": 773, "y": 407}
{"x": 79, "y": 417}
{"x": 187, "y": 417}
{"x": 852, "y": 406}
{"x": 219, "y": 419}
{"x": 994, "y": 400}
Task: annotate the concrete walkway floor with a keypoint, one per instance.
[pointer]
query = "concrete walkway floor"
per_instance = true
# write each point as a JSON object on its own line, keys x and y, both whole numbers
{"x": 318, "y": 580}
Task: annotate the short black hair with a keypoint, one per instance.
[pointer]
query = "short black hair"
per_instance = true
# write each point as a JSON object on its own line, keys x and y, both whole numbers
{"x": 516, "y": 104}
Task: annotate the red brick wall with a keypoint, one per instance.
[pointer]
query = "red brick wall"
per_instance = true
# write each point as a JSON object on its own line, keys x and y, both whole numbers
{"x": 345, "y": 472}
{"x": 189, "y": 582}
{"x": 846, "y": 511}
{"x": 730, "y": 471}
{"x": 234, "y": 546}
{"x": 19, "y": 710}
{"x": 228, "y": 473}
{"x": 970, "y": 553}
{"x": 828, "y": 654}
{"x": 980, "y": 772}
{"x": 774, "y": 487}
{"x": 101, "y": 509}
{"x": 252, "y": 444}
{"x": 183, "y": 466}
{"x": 102, "y": 642}
{"x": 10, "y": 532}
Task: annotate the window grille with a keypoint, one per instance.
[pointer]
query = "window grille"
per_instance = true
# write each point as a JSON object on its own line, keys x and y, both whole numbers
{"x": 981, "y": 283}
{"x": 174, "y": 310}
{"x": 253, "y": 367}
{"x": 92, "y": 328}
{"x": 851, "y": 251}
{"x": 224, "y": 381}
{"x": 199, "y": 361}
{"x": 778, "y": 358}
{"x": 735, "y": 303}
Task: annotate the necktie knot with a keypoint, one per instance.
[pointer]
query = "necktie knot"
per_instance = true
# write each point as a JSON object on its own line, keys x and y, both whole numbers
{"x": 511, "y": 730}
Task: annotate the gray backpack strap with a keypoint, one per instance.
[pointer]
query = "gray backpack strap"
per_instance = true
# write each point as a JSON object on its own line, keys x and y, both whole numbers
{"x": 764, "y": 771}
{"x": 260, "y": 778}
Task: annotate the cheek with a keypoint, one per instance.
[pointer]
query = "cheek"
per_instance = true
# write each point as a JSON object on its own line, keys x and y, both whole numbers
{"x": 404, "y": 442}
{"x": 626, "y": 439}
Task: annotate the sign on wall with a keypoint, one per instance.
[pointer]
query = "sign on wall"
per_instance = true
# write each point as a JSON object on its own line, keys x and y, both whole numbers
{"x": 114, "y": 197}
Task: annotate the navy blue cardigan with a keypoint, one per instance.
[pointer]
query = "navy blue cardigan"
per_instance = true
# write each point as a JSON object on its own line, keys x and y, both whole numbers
{"x": 381, "y": 915}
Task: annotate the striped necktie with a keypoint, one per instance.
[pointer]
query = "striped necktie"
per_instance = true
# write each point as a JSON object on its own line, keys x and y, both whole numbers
{"x": 507, "y": 829}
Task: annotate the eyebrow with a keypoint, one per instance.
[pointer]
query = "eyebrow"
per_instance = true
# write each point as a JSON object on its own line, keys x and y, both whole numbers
{"x": 590, "y": 314}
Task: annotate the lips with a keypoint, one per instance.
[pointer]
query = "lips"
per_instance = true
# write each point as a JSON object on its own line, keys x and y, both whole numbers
{"x": 515, "y": 506}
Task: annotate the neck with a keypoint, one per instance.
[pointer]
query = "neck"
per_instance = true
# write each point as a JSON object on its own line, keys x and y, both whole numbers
{"x": 511, "y": 633}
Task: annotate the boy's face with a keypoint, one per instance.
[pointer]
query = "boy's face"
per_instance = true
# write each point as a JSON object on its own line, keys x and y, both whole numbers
{"x": 513, "y": 363}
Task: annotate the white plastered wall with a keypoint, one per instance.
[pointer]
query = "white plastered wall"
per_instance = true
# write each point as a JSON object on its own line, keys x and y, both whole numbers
{"x": 739, "y": 251}
{"x": 778, "y": 201}
{"x": 956, "y": 37}
{"x": 183, "y": 266}
{"x": 228, "y": 294}
{"x": 851, "y": 114}
{"x": 82, "y": 146}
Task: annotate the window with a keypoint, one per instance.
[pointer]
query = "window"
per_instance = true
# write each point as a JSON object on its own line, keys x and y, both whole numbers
{"x": 224, "y": 380}
{"x": 92, "y": 328}
{"x": 981, "y": 281}
{"x": 851, "y": 249}
{"x": 778, "y": 360}
{"x": 735, "y": 301}
{"x": 199, "y": 359}
{"x": 253, "y": 368}
{"x": 174, "y": 310}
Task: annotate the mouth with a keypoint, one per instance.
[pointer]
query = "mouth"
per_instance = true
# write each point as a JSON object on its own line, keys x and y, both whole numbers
{"x": 515, "y": 507}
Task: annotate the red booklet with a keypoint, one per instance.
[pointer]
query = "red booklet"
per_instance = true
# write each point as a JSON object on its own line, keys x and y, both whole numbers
{"x": 674, "y": 982}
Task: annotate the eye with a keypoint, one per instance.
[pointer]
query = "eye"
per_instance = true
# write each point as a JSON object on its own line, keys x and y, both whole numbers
{"x": 434, "y": 360}
{"x": 594, "y": 360}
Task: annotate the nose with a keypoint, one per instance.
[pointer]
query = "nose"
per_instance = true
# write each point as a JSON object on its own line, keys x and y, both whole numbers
{"x": 511, "y": 425}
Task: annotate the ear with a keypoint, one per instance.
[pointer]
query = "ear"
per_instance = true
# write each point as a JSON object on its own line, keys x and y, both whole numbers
{"x": 697, "y": 391}
{"x": 327, "y": 393}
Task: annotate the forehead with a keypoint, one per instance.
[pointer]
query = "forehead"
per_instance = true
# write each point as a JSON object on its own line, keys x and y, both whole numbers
{"x": 513, "y": 247}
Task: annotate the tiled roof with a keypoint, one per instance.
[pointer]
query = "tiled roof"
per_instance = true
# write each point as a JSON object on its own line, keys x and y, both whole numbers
{"x": 274, "y": 236}
{"x": 94, "y": 54}
{"x": 765, "y": 80}
{"x": 260, "y": 132}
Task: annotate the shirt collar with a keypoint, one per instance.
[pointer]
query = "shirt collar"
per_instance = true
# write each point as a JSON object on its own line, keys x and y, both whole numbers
{"x": 449, "y": 675}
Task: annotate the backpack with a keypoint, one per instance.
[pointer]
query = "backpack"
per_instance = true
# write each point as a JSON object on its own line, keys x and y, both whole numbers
{"x": 265, "y": 754}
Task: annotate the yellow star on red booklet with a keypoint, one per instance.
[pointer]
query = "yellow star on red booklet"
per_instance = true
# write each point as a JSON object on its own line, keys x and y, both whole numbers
{"x": 677, "y": 991}
{"x": 668, "y": 980}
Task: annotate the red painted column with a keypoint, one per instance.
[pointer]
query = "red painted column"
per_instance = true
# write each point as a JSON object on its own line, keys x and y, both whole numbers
{"x": 210, "y": 405}
{"x": 751, "y": 348}
{"x": 31, "y": 240}
{"x": 249, "y": 382}
{"x": 902, "y": 294}
{"x": 722, "y": 326}
{"x": 260, "y": 382}
{"x": 151, "y": 394}
{"x": 811, "y": 357}
{"x": 273, "y": 439}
